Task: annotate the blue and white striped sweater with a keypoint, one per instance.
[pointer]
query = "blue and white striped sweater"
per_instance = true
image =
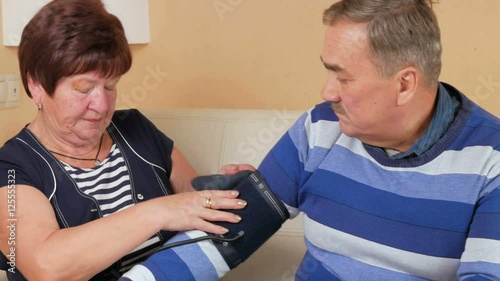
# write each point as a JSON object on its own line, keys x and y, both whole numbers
{"x": 370, "y": 217}
{"x": 192, "y": 262}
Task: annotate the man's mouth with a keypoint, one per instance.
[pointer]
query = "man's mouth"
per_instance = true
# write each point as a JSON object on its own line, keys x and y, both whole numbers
{"x": 338, "y": 108}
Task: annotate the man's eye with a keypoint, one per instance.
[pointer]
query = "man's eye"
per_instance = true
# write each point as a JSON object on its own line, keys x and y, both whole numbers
{"x": 342, "y": 80}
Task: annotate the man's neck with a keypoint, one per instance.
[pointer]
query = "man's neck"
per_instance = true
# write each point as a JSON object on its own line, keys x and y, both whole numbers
{"x": 412, "y": 123}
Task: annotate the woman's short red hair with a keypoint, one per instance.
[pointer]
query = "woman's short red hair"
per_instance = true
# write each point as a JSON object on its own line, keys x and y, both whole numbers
{"x": 69, "y": 37}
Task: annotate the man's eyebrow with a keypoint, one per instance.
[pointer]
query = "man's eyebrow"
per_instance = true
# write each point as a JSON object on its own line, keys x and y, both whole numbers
{"x": 332, "y": 67}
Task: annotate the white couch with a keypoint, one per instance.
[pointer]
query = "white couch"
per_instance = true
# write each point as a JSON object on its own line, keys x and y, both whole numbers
{"x": 210, "y": 138}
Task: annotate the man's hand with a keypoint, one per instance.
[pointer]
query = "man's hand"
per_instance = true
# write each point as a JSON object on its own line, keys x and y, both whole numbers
{"x": 232, "y": 169}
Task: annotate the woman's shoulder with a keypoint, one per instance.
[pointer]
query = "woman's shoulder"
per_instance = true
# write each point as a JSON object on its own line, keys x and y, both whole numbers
{"x": 127, "y": 115}
{"x": 131, "y": 117}
{"x": 133, "y": 121}
{"x": 23, "y": 156}
{"x": 134, "y": 127}
{"x": 16, "y": 144}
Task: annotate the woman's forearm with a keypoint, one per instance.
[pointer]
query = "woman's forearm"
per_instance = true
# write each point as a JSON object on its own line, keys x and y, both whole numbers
{"x": 78, "y": 253}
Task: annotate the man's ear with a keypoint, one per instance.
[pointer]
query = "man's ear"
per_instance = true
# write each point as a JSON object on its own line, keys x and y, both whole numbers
{"x": 407, "y": 79}
{"x": 36, "y": 90}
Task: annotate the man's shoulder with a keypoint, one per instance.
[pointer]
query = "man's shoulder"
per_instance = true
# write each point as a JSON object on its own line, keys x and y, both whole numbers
{"x": 477, "y": 113}
{"x": 476, "y": 126}
{"x": 484, "y": 128}
{"x": 485, "y": 118}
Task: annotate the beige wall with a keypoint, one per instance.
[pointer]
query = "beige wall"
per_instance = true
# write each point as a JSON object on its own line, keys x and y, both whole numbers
{"x": 265, "y": 54}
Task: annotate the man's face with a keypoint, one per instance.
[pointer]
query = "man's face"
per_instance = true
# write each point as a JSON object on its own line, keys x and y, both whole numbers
{"x": 361, "y": 97}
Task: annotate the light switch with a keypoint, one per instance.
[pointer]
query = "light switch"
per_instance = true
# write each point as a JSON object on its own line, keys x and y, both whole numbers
{"x": 3, "y": 91}
{"x": 13, "y": 90}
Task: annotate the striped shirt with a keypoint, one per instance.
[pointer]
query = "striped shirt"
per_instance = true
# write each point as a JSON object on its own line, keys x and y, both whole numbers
{"x": 372, "y": 217}
{"x": 109, "y": 184}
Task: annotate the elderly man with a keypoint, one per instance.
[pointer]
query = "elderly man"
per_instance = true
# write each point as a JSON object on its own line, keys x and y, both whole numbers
{"x": 397, "y": 173}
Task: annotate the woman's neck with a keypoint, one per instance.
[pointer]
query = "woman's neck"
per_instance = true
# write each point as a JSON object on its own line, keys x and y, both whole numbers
{"x": 70, "y": 148}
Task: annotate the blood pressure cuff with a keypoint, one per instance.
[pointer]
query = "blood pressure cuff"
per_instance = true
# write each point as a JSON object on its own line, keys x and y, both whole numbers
{"x": 261, "y": 218}
{"x": 209, "y": 259}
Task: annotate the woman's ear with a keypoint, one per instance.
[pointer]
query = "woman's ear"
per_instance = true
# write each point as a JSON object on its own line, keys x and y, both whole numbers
{"x": 36, "y": 91}
{"x": 408, "y": 81}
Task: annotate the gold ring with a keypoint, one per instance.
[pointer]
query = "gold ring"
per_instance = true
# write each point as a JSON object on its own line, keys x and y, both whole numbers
{"x": 208, "y": 203}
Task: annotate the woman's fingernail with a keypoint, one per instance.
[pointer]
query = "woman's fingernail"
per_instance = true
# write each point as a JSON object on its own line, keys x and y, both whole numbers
{"x": 238, "y": 218}
{"x": 242, "y": 203}
{"x": 235, "y": 193}
{"x": 224, "y": 230}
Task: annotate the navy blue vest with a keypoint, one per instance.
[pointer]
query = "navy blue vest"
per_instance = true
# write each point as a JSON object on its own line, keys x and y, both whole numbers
{"x": 147, "y": 154}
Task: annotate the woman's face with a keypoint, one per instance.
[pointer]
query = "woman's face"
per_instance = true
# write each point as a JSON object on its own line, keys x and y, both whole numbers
{"x": 81, "y": 107}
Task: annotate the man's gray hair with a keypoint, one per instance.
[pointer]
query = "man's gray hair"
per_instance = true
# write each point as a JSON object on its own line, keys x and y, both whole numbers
{"x": 401, "y": 33}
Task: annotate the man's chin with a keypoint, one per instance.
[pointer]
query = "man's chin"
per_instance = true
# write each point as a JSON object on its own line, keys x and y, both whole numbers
{"x": 346, "y": 128}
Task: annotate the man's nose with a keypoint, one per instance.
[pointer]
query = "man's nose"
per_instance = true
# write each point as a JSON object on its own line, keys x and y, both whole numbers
{"x": 330, "y": 91}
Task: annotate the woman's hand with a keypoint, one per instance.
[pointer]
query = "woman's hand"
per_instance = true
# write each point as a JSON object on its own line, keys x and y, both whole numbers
{"x": 196, "y": 210}
{"x": 232, "y": 169}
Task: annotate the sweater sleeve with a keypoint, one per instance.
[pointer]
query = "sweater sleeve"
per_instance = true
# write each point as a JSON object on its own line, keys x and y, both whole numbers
{"x": 283, "y": 166}
{"x": 295, "y": 157}
{"x": 481, "y": 258}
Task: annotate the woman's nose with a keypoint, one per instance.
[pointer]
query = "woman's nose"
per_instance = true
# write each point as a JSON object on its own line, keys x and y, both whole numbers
{"x": 100, "y": 101}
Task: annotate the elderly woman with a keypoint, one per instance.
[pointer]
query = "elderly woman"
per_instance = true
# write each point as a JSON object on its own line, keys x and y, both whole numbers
{"x": 91, "y": 183}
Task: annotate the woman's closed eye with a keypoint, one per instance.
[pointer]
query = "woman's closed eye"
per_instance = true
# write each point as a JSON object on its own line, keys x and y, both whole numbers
{"x": 110, "y": 88}
{"x": 84, "y": 90}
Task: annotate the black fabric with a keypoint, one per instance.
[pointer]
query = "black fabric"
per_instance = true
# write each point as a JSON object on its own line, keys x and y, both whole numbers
{"x": 261, "y": 218}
